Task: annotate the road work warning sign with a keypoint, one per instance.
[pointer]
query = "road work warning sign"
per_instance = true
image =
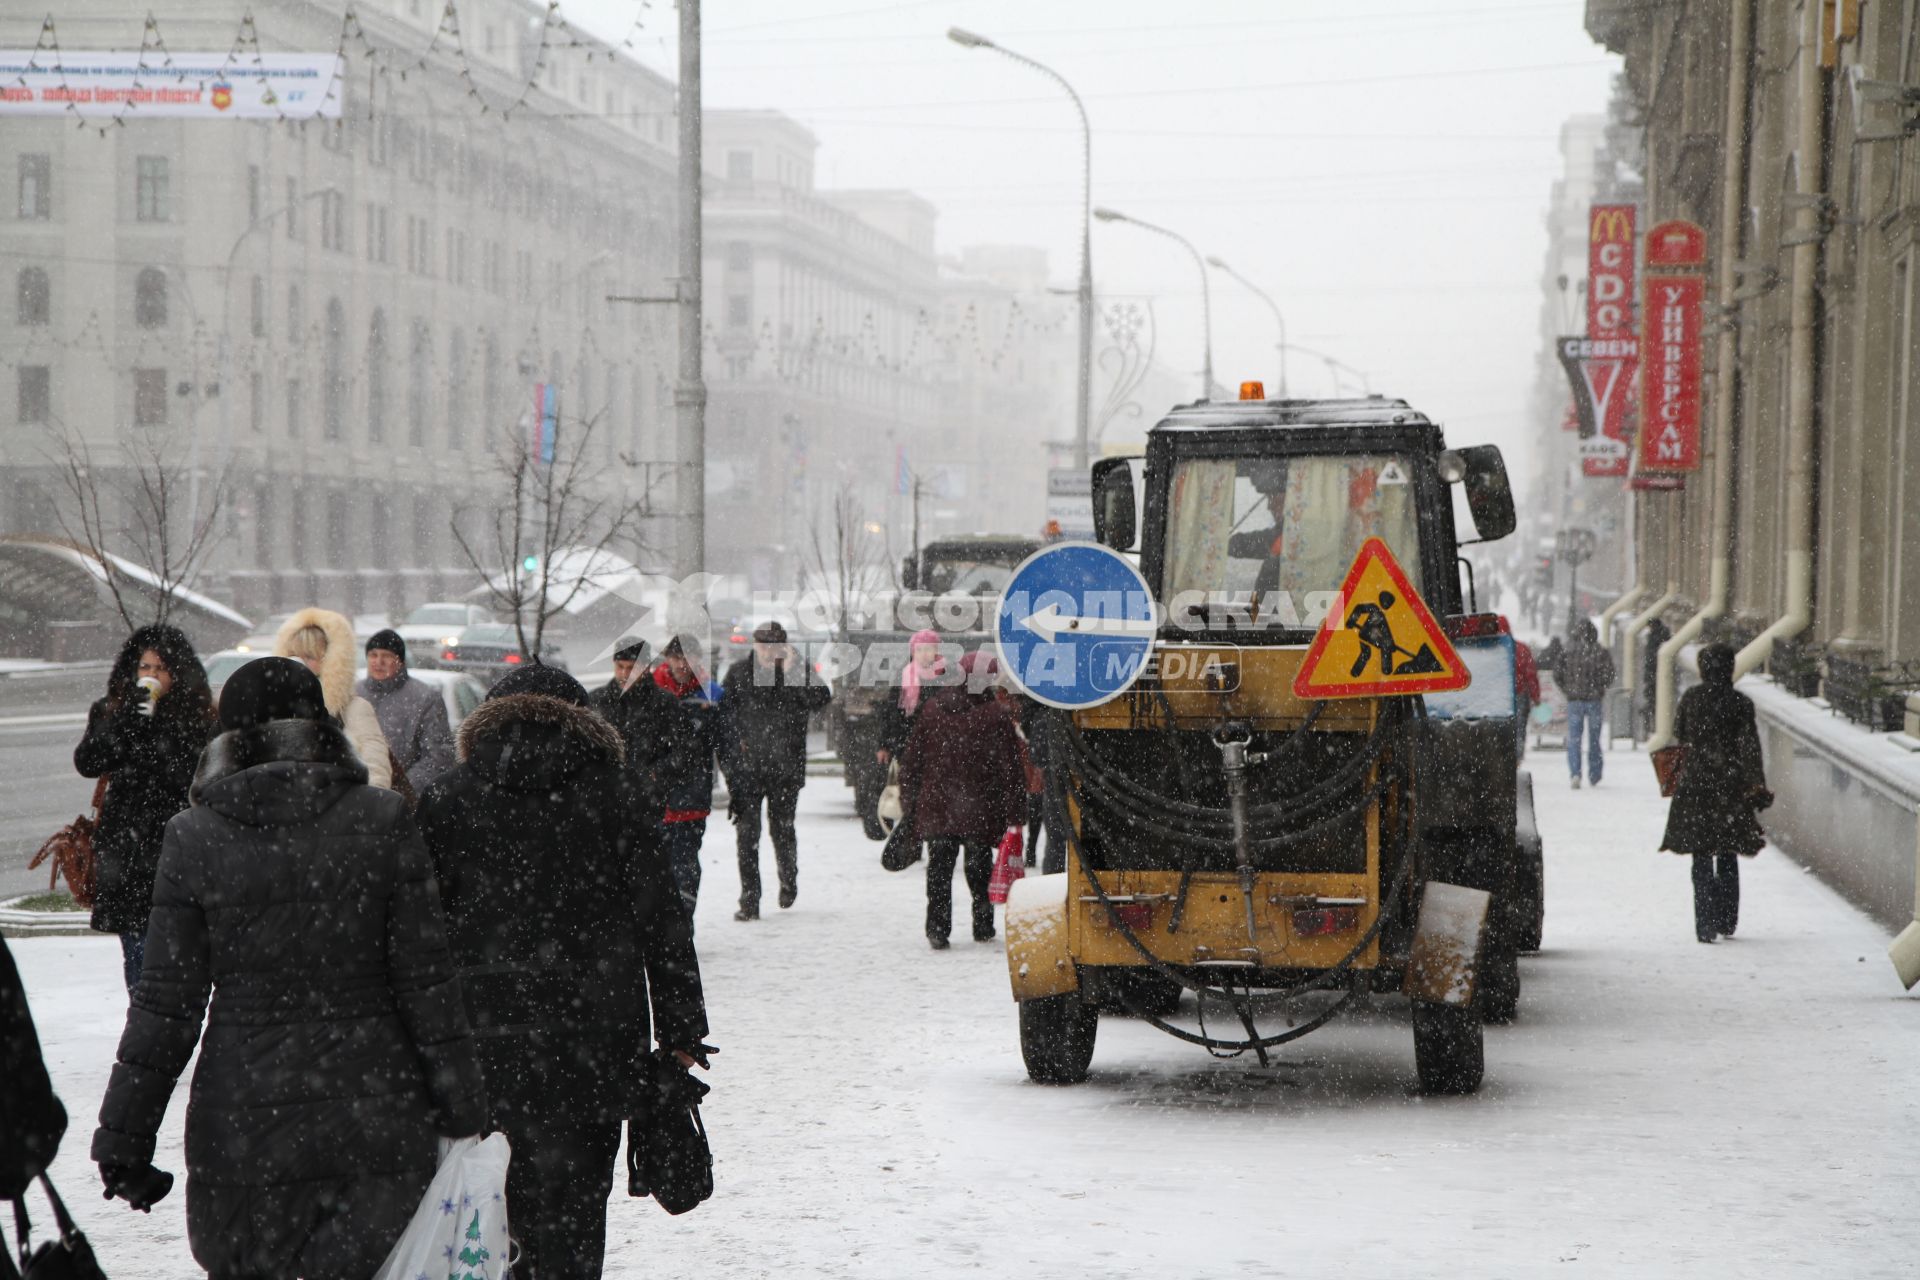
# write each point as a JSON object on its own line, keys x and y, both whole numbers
{"x": 1379, "y": 639}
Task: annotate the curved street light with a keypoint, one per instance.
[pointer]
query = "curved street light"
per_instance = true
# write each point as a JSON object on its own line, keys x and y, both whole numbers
{"x": 1273, "y": 306}
{"x": 971, "y": 40}
{"x": 1206, "y": 291}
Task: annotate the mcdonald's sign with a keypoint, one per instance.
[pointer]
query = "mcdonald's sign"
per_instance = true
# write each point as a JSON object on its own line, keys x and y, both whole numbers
{"x": 1610, "y": 297}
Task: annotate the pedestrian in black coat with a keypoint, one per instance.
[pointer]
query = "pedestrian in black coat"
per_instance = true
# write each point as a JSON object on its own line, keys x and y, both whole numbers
{"x": 565, "y": 924}
{"x": 685, "y": 767}
{"x": 1723, "y": 785}
{"x": 764, "y": 704}
{"x": 31, "y": 1117}
{"x": 336, "y": 1048}
{"x": 145, "y": 736}
{"x": 638, "y": 710}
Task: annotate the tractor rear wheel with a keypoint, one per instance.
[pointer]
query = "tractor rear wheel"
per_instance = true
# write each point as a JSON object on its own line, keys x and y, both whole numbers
{"x": 1497, "y": 991}
{"x": 1447, "y": 1048}
{"x": 1056, "y": 1038}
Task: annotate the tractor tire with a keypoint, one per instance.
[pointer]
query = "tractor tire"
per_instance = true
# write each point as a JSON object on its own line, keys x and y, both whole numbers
{"x": 1448, "y": 1048}
{"x": 1056, "y": 1038}
{"x": 1497, "y": 991}
{"x": 1530, "y": 908}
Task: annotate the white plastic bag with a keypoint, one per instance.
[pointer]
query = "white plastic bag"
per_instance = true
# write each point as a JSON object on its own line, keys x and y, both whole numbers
{"x": 460, "y": 1229}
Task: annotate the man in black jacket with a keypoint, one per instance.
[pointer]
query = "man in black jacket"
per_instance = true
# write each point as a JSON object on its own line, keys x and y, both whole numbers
{"x": 639, "y": 710}
{"x": 764, "y": 704}
{"x": 566, "y": 925}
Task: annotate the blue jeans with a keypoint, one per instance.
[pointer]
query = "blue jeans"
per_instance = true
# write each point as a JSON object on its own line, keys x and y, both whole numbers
{"x": 133, "y": 957}
{"x": 1583, "y": 718}
{"x": 682, "y": 841}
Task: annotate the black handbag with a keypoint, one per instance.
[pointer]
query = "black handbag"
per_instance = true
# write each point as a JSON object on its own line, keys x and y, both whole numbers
{"x": 667, "y": 1152}
{"x": 69, "y": 1257}
{"x": 902, "y": 849}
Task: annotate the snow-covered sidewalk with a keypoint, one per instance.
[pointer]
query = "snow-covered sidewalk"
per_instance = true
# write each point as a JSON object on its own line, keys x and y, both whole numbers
{"x": 1659, "y": 1108}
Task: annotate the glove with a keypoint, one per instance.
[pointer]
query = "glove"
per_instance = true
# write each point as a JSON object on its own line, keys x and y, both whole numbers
{"x": 141, "y": 1186}
{"x": 1762, "y": 798}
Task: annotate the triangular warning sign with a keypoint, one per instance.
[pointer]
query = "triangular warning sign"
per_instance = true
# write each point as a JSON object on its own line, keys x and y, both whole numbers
{"x": 1379, "y": 639}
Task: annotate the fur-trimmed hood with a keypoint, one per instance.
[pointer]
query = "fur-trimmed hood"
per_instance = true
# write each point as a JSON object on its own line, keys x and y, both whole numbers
{"x": 528, "y": 740}
{"x": 342, "y": 657}
{"x": 278, "y": 773}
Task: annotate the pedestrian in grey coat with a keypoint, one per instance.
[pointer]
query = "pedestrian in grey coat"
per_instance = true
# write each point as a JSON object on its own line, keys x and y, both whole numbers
{"x": 412, "y": 713}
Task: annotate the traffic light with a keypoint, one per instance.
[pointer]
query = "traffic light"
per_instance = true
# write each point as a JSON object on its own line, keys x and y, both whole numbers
{"x": 531, "y": 564}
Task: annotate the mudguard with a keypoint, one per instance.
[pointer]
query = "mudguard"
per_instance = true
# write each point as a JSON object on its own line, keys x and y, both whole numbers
{"x": 1038, "y": 962}
{"x": 1446, "y": 944}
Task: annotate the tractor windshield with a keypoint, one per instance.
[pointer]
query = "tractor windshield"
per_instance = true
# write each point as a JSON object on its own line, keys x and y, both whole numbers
{"x": 1281, "y": 531}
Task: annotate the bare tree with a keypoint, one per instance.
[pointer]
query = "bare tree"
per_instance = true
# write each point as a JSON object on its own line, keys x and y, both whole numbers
{"x": 543, "y": 509}
{"x": 150, "y": 523}
{"x": 848, "y": 556}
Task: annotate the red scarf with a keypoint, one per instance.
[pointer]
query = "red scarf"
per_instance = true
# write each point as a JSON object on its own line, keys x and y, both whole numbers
{"x": 664, "y": 678}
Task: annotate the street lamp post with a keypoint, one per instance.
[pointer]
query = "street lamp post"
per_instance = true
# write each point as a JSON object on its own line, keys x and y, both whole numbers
{"x": 1082, "y": 403}
{"x": 1206, "y": 291}
{"x": 1272, "y": 306}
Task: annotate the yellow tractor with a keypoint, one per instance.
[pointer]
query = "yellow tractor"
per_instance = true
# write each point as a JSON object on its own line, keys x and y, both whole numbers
{"x": 1235, "y": 833}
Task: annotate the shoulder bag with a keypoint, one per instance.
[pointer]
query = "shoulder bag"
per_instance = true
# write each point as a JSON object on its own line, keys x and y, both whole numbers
{"x": 69, "y": 1257}
{"x": 71, "y": 851}
{"x": 1669, "y": 765}
{"x": 667, "y": 1153}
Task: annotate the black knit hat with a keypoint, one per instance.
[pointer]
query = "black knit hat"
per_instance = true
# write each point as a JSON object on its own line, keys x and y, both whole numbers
{"x": 770, "y": 632}
{"x": 630, "y": 649}
{"x": 390, "y": 640}
{"x": 550, "y": 682}
{"x": 271, "y": 689}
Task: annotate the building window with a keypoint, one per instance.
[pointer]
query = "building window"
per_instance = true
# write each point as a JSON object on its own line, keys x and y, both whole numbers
{"x": 419, "y": 385}
{"x": 257, "y": 304}
{"x": 253, "y": 195}
{"x": 333, "y": 221}
{"x": 257, "y": 402}
{"x": 376, "y": 233}
{"x": 149, "y": 397}
{"x": 377, "y": 534}
{"x": 335, "y": 400}
{"x": 296, "y": 317}
{"x": 339, "y": 530}
{"x": 740, "y": 166}
{"x": 33, "y": 297}
{"x": 36, "y": 186}
{"x": 739, "y": 310}
{"x": 377, "y": 377}
{"x": 293, "y": 209}
{"x": 456, "y": 387}
{"x": 151, "y": 201}
{"x": 490, "y": 383}
{"x": 150, "y": 298}
{"x": 35, "y": 395}
{"x": 294, "y": 406}
{"x": 739, "y": 255}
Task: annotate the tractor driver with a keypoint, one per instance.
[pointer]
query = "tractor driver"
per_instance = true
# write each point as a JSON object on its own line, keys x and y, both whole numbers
{"x": 1269, "y": 479}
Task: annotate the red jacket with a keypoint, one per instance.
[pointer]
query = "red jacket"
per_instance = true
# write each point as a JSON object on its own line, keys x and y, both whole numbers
{"x": 962, "y": 768}
{"x": 1526, "y": 676}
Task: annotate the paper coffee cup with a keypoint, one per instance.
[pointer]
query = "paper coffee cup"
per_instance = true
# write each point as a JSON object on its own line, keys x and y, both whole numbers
{"x": 152, "y": 687}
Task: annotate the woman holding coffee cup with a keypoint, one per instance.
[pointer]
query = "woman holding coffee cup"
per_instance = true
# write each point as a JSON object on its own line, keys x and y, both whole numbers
{"x": 145, "y": 737}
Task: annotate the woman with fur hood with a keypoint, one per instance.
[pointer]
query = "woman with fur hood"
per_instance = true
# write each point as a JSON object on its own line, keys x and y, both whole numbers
{"x": 567, "y": 926}
{"x": 324, "y": 641}
{"x": 144, "y": 737}
{"x": 336, "y": 1049}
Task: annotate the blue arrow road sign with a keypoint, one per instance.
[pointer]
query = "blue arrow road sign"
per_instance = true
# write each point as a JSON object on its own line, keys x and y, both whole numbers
{"x": 1075, "y": 625}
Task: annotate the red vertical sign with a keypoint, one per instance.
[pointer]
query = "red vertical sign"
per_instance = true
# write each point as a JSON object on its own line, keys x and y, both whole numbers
{"x": 1670, "y": 378}
{"x": 1610, "y": 246}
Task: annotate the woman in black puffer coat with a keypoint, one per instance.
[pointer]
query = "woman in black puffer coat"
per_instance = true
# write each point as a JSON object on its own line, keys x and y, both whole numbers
{"x": 336, "y": 1048}
{"x": 566, "y": 923}
{"x": 148, "y": 747}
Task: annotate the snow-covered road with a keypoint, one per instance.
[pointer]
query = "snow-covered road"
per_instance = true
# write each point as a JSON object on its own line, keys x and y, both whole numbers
{"x": 1659, "y": 1107}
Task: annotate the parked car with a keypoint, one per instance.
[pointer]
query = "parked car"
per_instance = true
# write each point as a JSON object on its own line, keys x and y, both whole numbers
{"x": 491, "y": 649}
{"x": 462, "y": 693}
{"x": 439, "y": 625}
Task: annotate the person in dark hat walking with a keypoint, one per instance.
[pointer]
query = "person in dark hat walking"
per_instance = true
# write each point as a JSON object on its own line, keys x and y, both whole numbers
{"x": 638, "y": 709}
{"x": 567, "y": 928}
{"x": 764, "y": 704}
{"x": 336, "y": 1049}
{"x": 412, "y": 715}
{"x": 1723, "y": 786}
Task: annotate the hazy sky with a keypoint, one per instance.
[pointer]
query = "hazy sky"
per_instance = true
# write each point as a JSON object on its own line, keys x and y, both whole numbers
{"x": 1380, "y": 167}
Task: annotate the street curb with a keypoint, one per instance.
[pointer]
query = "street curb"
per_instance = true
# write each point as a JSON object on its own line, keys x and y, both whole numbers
{"x": 15, "y": 923}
